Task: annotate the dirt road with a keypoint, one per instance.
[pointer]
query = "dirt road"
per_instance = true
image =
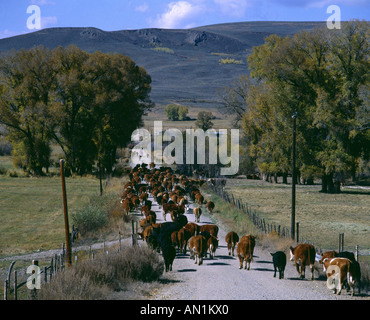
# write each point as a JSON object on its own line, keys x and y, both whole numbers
{"x": 221, "y": 279}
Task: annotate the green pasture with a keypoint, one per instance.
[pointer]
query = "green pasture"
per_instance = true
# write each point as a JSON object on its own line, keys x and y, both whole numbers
{"x": 321, "y": 216}
{"x": 31, "y": 210}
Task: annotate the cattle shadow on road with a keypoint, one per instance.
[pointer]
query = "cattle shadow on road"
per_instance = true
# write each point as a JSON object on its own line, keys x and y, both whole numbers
{"x": 263, "y": 261}
{"x": 186, "y": 270}
{"x": 225, "y": 257}
{"x": 262, "y": 269}
{"x": 218, "y": 264}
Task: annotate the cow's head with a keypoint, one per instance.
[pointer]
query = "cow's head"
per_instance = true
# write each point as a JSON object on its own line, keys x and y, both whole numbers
{"x": 291, "y": 251}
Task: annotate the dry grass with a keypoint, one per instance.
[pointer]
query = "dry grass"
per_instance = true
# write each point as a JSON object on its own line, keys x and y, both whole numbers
{"x": 99, "y": 278}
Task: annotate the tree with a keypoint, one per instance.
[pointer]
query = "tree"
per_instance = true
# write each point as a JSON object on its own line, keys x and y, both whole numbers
{"x": 26, "y": 82}
{"x": 321, "y": 75}
{"x": 89, "y": 104}
{"x": 176, "y": 112}
{"x": 204, "y": 120}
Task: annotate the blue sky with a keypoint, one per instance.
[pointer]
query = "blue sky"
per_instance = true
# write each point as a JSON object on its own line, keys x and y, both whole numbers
{"x": 110, "y": 15}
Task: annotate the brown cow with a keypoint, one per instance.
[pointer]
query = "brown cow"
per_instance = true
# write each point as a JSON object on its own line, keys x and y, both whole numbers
{"x": 212, "y": 244}
{"x": 197, "y": 213}
{"x": 199, "y": 198}
{"x": 183, "y": 237}
{"x": 193, "y": 228}
{"x": 146, "y": 232}
{"x": 167, "y": 208}
{"x": 198, "y": 248}
{"x": 341, "y": 269}
{"x": 210, "y": 206}
{"x": 245, "y": 250}
{"x": 127, "y": 205}
{"x": 211, "y": 228}
{"x": 231, "y": 239}
{"x": 174, "y": 239}
{"x": 303, "y": 255}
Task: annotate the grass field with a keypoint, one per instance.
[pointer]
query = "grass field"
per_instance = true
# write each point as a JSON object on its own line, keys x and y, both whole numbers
{"x": 31, "y": 211}
{"x": 221, "y": 121}
{"x": 321, "y": 216}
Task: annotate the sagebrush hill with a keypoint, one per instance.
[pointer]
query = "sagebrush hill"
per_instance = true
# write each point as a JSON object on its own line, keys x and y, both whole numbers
{"x": 187, "y": 66}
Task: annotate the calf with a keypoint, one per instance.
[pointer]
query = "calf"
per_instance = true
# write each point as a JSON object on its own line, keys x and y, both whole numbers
{"x": 303, "y": 255}
{"x": 231, "y": 239}
{"x": 212, "y": 244}
{"x": 198, "y": 248}
{"x": 168, "y": 253}
{"x": 197, "y": 213}
{"x": 245, "y": 250}
{"x": 279, "y": 261}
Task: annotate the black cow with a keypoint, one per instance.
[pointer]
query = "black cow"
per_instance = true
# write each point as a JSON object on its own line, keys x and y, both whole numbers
{"x": 279, "y": 261}
{"x": 160, "y": 239}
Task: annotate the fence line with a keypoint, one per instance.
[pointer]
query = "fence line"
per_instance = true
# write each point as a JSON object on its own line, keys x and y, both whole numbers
{"x": 260, "y": 223}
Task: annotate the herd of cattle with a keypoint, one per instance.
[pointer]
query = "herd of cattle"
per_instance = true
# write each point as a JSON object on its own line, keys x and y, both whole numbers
{"x": 174, "y": 193}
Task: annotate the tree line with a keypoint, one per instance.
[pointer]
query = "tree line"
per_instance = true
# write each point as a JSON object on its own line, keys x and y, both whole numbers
{"x": 87, "y": 103}
{"x": 322, "y": 77}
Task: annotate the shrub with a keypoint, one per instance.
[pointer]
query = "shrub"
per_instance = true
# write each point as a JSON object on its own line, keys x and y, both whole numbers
{"x": 164, "y": 50}
{"x": 176, "y": 112}
{"x": 204, "y": 120}
{"x": 95, "y": 279}
{"x": 229, "y": 61}
{"x": 89, "y": 219}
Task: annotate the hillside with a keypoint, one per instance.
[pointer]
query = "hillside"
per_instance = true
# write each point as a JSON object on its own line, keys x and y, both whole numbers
{"x": 184, "y": 64}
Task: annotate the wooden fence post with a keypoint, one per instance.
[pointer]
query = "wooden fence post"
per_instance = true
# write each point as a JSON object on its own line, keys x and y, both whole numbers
{"x": 15, "y": 285}
{"x": 297, "y": 231}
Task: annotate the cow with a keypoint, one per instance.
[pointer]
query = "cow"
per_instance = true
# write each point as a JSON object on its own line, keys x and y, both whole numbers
{"x": 279, "y": 261}
{"x": 303, "y": 254}
{"x": 175, "y": 240}
{"x": 231, "y": 239}
{"x": 169, "y": 254}
{"x": 350, "y": 256}
{"x": 193, "y": 228}
{"x": 245, "y": 250}
{"x": 341, "y": 269}
{"x": 211, "y": 228}
{"x": 168, "y": 208}
{"x": 210, "y": 206}
{"x": 183, "y": 237}
{"x": 197, "y": 213}
{"x": 198, "y": 248}
{"x": 212, "y": 244}
{"x": 148, "y": 230}
{"x": 199, "y": 199}
{"x": 127, "y": 205}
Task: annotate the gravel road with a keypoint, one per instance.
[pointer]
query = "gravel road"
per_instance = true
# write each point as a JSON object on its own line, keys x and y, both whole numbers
{"x": 221, "y": 279}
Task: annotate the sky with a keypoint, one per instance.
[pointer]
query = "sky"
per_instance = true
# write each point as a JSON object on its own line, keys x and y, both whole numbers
{"x": 112, "y": 15}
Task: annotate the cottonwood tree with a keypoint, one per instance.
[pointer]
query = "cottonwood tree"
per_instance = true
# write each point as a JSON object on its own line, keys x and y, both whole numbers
{"x": 89, "y": 104}
{"x": 321, "y": 75}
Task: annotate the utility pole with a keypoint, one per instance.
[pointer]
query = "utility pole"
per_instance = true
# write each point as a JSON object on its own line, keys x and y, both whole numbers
{"x": 292, "y": 225}
{"x": 66, "y": 223}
